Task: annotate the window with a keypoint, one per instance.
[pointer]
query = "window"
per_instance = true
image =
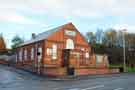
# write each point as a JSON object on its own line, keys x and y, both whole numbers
{"x": 39, "y": 53}
{"x": 54, "y": 51}
{"x": 87, "y": 55}
{"x": 49, "y": 51}
{"x": 77, "y": 55}
{"x": 69, "y": 44}
{"x": 32, "y": 53}
{"x": 16, "y": 57}
{"x": 82, "y": 49}
{"x": 25, "y": 54}
{"x": 20, "y": 55}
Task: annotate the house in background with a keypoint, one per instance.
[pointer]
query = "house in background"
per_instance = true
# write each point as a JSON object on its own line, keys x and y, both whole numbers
{"x": 59, "y": 52}
{"x": 3, "y": 50}
{"x": 2, "y": 44}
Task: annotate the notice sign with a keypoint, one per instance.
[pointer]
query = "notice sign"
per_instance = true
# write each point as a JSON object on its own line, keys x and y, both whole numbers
{"x": 70, "y": 33}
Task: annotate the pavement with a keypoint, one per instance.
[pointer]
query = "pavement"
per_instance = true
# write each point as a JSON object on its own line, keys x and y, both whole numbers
{"x": 14, "y": 79}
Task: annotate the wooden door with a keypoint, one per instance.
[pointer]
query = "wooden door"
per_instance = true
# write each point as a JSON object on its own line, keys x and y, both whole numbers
{"x": 35, "y": 64}
{"x": 66, "y": 62}
{"x": 65, "y": 57}
{"x": 39, "y": 59}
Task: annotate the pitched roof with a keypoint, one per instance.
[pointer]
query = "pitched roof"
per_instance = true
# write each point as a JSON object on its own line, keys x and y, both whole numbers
{"x": 41, "y": 36}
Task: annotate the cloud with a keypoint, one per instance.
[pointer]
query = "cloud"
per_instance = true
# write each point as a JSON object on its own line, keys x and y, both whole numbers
{"x": 73, "y": 8}
{"x": 86, "y": 13}
{"x": 68, "y": 9}
{"x": 88, "y": 8}
{"x": 14, "y": 17}
{"x": 129, "y": 28}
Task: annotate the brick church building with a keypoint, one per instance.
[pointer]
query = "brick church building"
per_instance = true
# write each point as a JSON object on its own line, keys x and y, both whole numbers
{"x": 58, "y": 52}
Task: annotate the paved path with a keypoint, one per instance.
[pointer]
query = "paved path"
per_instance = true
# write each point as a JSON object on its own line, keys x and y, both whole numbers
{"x": 12, "y": 79}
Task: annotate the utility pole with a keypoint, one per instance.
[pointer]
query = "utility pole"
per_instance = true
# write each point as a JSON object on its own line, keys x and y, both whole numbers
{"x": 124, "y": 50}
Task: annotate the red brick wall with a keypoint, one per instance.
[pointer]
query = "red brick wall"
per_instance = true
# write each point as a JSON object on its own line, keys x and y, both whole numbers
{"x": 95, "y": 71}
{"x": 54, "y": 71}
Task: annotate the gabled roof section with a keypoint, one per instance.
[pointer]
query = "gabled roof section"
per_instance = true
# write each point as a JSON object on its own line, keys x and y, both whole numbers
{"x": 43, "y": 35}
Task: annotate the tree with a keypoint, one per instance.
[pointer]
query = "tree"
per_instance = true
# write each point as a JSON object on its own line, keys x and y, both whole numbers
{"x": 130, "y": 40}
{"x": 99, "y": 36}
{"x": 16, "y": 41}
{"x": 90, "y": 37}
{"x": 110, "y": 38}
{"x": 119, "y": 40}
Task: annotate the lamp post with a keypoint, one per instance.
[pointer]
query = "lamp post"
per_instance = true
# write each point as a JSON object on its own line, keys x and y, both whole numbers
{"x": 124, "y": 50}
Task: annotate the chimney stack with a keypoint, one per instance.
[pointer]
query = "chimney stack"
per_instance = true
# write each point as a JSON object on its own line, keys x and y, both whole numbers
{"x": 33, "y": 35}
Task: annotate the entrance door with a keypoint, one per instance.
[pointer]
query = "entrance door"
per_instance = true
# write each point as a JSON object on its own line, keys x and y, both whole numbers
{"x": 39, "y": 60}
{"x": 66, "y": 62}
{"x": 65, "y": 56}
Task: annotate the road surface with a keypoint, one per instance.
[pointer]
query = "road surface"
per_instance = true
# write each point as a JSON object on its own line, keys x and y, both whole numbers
{"x": 12, "y": 79}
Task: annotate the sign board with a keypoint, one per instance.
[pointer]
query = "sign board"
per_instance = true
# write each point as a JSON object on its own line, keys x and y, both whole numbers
{"x": 70, "y": 33}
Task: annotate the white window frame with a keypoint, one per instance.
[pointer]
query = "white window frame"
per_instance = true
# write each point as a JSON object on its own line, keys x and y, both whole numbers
{"x": 40, "y": 56}
{"x": 54, "y": 51}
{"x": 25, "y": 54}
{"x": 69, "y": 44}
{"x": 49, "y": 51}
{"x": 16, "y": 57}
{"x": 20, "y": 55}
{"x": 32, "y": 54}
{"x": 87, "y": 55}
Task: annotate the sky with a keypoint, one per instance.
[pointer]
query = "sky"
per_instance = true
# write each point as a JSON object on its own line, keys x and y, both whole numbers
{"x": 23, "y": 17}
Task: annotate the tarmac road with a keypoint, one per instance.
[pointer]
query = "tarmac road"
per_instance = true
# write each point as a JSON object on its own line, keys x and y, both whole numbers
{"x": 13, "y": 79}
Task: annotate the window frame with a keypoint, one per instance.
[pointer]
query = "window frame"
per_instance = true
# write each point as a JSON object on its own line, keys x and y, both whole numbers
{"x": 20, "y": 55}
{"x": 25, "y": 54}
{"x": 32, "y": 53}
{"x": 70, "y": 44}
{"x": 54, "y": 51}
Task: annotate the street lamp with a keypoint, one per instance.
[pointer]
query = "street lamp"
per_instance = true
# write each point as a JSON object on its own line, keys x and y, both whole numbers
{"x": 124, "y": 50}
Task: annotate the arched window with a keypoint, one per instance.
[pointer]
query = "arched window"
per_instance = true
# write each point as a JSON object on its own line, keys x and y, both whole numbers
{"x": 69, "y": 44}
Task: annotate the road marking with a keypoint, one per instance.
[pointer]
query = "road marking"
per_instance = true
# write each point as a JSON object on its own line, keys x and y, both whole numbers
{"x": 20, "y": 78}
{"x": 94, "y": 87}
{"x": 118, "y": 88}
{"x": 75, "y": 89}
{"x": 87, "y": 84}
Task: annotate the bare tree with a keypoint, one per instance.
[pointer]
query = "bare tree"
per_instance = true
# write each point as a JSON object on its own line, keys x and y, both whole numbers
{"x": 90, "y": 37}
